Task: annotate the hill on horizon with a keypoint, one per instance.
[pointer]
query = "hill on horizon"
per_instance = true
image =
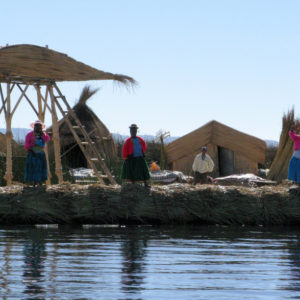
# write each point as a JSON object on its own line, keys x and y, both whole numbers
{"x": 20, "y": 133}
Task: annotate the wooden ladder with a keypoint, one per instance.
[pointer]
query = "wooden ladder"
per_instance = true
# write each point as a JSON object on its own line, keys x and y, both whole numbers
{"x": 69, "y": 115}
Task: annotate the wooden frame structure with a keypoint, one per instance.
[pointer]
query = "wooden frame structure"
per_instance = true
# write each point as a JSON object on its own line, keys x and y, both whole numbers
{"x": 28, "y": 66}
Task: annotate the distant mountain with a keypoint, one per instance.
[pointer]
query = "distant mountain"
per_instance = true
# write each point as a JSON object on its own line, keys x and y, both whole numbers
{"x": 148, "y": 138}
{"x": 272, "y": 144}
{"x": 20, "y": 133}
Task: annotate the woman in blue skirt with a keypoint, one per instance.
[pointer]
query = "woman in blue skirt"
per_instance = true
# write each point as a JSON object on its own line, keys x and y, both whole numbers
{"x": 36, "y": 165}
{"x": 294, "y": 166}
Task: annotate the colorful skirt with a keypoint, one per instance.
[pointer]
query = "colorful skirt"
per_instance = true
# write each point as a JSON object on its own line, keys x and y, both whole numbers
{"x": 294, "y": 169}
{"x": 135, "y": 169}
{"x": 36, "y": 167}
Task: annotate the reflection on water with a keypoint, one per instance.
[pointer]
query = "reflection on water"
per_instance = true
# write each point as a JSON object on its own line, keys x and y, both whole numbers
{"x": 294, "y": 256}
{"x": 133, "y": 253}
{"x": 34, "y": 257}
{"x": 97, "y": 262}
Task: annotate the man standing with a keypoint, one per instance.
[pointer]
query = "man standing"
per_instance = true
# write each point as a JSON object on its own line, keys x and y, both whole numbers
{"x": 135, "y": 167}
{"x": 203, "y": 164}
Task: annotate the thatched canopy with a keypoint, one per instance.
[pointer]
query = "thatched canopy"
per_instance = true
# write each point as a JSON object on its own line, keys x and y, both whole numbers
{"x": 99, "y": 134}
{"x": 221, "y": 135}
{"x": 280, "y": 165}
{"x": 32, "y": 63}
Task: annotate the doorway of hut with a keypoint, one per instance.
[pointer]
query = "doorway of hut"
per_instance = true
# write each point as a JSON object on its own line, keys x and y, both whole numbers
{"x": 226, "y": 161}
{"x": 73, "y": 157}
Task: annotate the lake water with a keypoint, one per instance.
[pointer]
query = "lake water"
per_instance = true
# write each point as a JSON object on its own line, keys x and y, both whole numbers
{"x": 94, "y": 262}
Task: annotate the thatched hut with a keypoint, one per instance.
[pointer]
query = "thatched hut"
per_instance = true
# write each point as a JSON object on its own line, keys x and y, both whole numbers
{"x": 280, "y": 164}
{"x": 25, "y": 67}
{"x": 96, "y": 129}
{"x": 232, "y": 151}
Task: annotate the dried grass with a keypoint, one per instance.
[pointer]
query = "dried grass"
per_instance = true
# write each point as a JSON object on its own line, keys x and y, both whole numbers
{"x": 30, "y": 63}
{"x": 279, "y": 167}
{"x": 86, "y": 93}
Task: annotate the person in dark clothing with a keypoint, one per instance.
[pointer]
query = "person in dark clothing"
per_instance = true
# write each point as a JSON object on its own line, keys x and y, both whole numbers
{"x": 135, "y": 168}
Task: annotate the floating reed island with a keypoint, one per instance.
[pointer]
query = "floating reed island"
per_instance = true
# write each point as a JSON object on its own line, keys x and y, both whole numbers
{"x": 134, "y": 204}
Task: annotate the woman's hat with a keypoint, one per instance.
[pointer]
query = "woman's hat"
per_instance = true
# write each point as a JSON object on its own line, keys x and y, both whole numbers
{"x": 133, "y": 126}
{"x": 38, "y": 122}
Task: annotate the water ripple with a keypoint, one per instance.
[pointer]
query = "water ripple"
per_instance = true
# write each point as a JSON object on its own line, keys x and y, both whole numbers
{"x": 149, "y": 263}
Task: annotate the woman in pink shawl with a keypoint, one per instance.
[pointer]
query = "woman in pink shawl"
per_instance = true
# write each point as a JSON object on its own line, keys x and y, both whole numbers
{"x": 36, "y": 165}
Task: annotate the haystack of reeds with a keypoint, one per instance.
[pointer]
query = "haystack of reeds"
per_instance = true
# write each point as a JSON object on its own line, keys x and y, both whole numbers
{"x": 279, "y": 167}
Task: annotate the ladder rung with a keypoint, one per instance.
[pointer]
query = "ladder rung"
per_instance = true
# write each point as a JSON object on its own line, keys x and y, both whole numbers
{"x": 96, "y": 159}
{"x": 58, "y": 97}
{"x": 76, "y": 127}
{"x": 86, "y": 143}
{"x": 105, "y": 138}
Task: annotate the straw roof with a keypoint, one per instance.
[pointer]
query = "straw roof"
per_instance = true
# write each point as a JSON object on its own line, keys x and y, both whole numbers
{"x": 218, "y": 134}
{"x": 30, "y": 63}
{"x": 100, "y": 135}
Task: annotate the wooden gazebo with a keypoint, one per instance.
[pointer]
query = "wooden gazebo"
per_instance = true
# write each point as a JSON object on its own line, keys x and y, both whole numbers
{"x": 24, "y": 67}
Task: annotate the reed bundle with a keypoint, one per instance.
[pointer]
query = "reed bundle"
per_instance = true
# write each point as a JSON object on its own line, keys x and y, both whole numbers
{"x": 279, "y": 167}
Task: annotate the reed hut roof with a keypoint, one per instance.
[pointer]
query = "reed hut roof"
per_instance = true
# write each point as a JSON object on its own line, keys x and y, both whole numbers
{"x": 93, "y": 126}
{"x": 218, "y": 134}
{"x": 30, "y": 63}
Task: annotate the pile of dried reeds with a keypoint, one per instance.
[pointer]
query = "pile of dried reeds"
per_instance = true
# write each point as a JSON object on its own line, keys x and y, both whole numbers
{"x": 279, "y": 167}
{"x": 133, "y": 204}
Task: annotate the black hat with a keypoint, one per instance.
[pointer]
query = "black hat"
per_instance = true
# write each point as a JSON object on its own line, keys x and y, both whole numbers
{"x": 204, "y": 148}
{"x": 133, "y": 126}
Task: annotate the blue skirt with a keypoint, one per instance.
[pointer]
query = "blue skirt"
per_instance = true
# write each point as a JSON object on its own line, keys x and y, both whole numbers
{"x": 294, "y": 169}
{"x": 36, "y": 167}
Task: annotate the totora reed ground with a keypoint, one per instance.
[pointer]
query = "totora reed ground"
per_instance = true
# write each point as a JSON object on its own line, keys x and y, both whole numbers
{"x": 134, "y": 204}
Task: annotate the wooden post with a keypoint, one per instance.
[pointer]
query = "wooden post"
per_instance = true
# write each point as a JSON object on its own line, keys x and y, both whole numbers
{"x": 55, "y": 137}
{"x": 8, "y": 175}
{"x": 163, "y": 164}
{"x": 41, "y": 116}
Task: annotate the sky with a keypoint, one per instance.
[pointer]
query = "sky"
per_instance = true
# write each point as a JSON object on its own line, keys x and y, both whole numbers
{"x": 236, "y": 62}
